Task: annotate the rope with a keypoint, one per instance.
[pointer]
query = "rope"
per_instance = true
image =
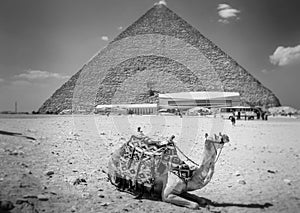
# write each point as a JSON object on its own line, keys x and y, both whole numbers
{"x": 218, "y": 155}
{"x": 186, "y": 156}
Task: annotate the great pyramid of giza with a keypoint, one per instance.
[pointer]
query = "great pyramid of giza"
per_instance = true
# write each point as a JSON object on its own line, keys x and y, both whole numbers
{"x": 159, "y": 53}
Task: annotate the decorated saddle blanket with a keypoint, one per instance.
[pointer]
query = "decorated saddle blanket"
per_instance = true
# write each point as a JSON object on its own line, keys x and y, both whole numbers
{"x": 142, "y": 159}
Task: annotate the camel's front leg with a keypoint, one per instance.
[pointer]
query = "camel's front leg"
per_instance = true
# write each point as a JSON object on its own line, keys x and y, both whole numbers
{"x": 203, "y": 202}
{"x": 173, "y": 187}
{"x": 179, "y": 201}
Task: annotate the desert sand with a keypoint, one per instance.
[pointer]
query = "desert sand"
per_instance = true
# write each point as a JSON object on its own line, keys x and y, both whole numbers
{"x": 58, "y": 163}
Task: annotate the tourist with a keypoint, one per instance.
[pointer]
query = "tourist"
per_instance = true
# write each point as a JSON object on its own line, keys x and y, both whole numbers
{"x": 257, "y": 115}
{"x": 266, "y": 116}
{"x": 232, "y": 118}
{"x": 239, "y": 115}
{"x": 263, "y": 115}
{"x": 180, "y": 115}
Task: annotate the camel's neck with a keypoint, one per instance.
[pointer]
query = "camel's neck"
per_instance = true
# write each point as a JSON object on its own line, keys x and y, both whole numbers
{"x": 204, "y": 173}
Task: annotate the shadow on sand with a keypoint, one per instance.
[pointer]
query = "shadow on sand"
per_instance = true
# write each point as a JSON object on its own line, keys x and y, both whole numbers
{"x": 204, "y": 202}
{"x": 15, "y": 134}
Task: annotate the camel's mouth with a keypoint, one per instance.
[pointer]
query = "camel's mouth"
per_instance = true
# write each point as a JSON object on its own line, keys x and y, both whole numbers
{"x": 225, "y": 139}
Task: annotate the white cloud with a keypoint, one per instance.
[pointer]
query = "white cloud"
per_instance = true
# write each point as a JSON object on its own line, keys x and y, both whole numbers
{"x": 285, "y": 55}
{"x": 120, "y": 28}
{"x": 226, "y": 12}
{"x": 223, "y": 6}
{"x": 20, "y": 83}
{"x": 104, "y": 38}
{"x": 1, "y": 80}
{"x": 40, "y": 75}
{"x": 224, "y": 21}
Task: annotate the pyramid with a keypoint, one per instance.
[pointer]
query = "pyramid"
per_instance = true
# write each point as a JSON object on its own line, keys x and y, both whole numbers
{"x": 159, "y": 53}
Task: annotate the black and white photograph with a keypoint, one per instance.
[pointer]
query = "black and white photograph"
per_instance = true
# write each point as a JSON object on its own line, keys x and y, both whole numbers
{"x": 149, "y": 106}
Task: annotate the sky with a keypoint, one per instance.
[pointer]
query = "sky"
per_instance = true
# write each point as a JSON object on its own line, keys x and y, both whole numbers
{"x": 44, "y": 42}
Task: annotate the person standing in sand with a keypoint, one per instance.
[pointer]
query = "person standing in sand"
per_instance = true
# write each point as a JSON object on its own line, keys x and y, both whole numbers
{"x": 179, "y": 113}
{"x": 232, "y": 118}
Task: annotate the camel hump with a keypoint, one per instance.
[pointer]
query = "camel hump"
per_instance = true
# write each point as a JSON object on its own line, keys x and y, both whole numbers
{"x": 142, "y": 159}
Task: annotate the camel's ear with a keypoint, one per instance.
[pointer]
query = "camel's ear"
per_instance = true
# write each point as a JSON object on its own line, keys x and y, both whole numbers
{"x": 206, "y": 135}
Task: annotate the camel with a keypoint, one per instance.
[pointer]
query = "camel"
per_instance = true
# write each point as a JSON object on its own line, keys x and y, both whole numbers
{"x": 172, "y": 188}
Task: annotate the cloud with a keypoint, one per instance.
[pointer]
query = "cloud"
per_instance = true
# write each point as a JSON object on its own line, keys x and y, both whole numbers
{"x": 40, "y": 75}
{"x": 104, "y": 38}
{"x": 20, "y": 83}
{"x": 223, "y": 6}
{"x": 226, "y": 12}
{"x": 285, "y": 55}
{"x": 1, "y": 80}
{"x": 120, "y": 28}
{"x": 224, "y": 21}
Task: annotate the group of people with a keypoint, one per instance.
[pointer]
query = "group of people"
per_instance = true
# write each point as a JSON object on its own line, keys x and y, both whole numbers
{"x": 237, "y": 115}
{"x": 264, "y": 116}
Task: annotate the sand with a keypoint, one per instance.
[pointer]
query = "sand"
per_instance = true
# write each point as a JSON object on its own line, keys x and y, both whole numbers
{"x": 63, "y": 170}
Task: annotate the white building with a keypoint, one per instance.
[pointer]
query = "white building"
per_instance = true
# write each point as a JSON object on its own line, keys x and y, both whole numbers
{"x": 187, "y": 100}
{"x": 139, "y": 109}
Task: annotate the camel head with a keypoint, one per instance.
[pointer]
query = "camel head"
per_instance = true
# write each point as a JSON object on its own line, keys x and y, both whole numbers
{"x": 217, "y": 140}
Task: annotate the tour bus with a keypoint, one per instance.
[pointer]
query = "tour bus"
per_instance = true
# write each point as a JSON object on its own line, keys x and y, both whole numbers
{"x": 240, "y": 112}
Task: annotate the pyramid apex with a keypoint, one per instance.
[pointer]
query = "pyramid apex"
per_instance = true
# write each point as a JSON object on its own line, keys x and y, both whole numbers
{"x": 161, "y": 2}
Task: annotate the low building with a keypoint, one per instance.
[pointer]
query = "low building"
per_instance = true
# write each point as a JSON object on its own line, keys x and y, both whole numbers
{"x": 139, "y": 109}
{"x": 188, "y": 100}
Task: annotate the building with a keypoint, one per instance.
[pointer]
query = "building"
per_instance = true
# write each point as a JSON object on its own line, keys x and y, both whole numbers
{"x": 139, "y": 109}
{"x": 188, "y": 100}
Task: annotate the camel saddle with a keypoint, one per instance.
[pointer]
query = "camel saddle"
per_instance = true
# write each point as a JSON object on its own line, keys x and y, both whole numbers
{"x": 142, "y": 159}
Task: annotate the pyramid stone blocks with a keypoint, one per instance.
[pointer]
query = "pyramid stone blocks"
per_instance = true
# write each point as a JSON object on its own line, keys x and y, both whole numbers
{"x": 162, "y": 53}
